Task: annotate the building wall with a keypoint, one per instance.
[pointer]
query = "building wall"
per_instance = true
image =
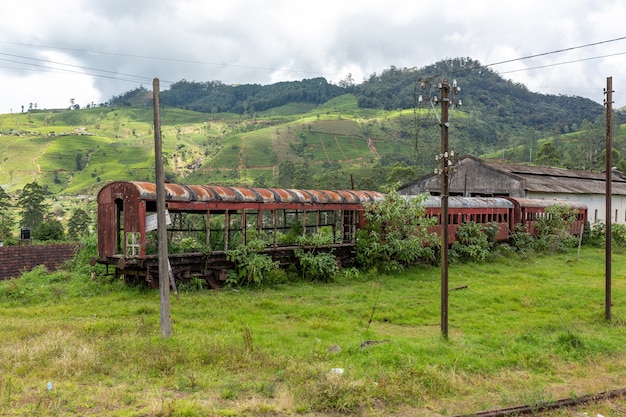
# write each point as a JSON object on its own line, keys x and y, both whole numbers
{"x": 474, "y": 179}
{"x": 596, "y": 205}
{"x": 470, "y": 178}
{"x": 16, "y": 259}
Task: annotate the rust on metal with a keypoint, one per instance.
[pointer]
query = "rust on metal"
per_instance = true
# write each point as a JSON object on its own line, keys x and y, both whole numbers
{"x": 205, "y": 193}
{"x": 547, "y": 202}
{"x": 470, "y": 203}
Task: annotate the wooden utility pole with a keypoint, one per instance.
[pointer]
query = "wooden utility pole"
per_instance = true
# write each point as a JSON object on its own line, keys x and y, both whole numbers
{"x": 445, "y": 101}
{"x": 164, "y": 282}
{"x": 609, "y": 194}
{"x": 444, "y": 170}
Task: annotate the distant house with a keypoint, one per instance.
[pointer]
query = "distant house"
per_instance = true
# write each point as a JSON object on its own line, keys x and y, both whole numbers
{"x": 473, "y": 177}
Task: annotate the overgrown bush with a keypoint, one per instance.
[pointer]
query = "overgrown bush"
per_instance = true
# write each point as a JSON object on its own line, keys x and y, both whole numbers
{"x": 81, "y": 261}
{"x": 320, "y": 266}
{"x": 552, "y": 231}
{"x": 315, "y": 265}
{"x": 473, "y": 242}
{"x": 51, "y": 230}
{"x": 597, "y": 235}
{"x": 521, "y": 240}
{"x": 396, "y": 234}
{"x": 251, "y": 266}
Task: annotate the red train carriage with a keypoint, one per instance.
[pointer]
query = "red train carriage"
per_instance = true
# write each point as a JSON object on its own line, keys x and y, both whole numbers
{"x": 210, "y": 219}
{"x": 481, "y": 210}
{"x": 528, "y": 210}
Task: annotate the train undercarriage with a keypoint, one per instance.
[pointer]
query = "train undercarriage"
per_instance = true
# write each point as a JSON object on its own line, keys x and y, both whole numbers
{"x": 212, "y": 269}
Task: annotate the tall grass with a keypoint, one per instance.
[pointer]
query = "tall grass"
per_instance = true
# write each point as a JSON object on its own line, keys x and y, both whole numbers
{"x": 519, "y": 332}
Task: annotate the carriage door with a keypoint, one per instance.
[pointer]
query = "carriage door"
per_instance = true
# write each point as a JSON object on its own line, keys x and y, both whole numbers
{"x": 349, "y": 225}
{"x": 119, "y": 226}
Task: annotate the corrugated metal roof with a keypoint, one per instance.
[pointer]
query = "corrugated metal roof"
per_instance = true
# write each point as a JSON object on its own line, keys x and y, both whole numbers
{"x": 541, "y": 179}
{"x": 465, "y": 202}
{"x": 205, "y": 193}
{"x": 547, "y": 202}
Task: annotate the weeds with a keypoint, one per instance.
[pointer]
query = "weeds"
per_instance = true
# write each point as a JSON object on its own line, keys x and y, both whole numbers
{"x": 251, "y": 266}
{"x": 238, "y": 352}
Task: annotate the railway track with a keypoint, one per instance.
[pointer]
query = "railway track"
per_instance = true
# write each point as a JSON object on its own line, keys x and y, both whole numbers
{"x": 548, "y": 406}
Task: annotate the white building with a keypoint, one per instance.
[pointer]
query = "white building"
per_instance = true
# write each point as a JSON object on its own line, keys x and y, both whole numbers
{"x": 474, "y": 177}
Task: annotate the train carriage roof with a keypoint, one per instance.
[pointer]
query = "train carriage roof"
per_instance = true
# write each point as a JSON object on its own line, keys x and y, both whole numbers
{"x": 547, "y": 202}
{"x": 469, "y": 203}
{"x": 206, "y": 193}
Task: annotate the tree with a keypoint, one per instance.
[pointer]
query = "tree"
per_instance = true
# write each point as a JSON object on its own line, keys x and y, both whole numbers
{"x": 6, "y": 217}
{"x": 78, "y": 225}
{"x": 548, "y": 155}
{"x": 285, "y": 174}
{"x": 80, "y": 162}
{"x": 49, "y": 230}
{"x": 32, "y": 205}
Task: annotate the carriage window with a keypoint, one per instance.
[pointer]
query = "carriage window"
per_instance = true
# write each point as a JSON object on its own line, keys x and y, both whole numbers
{"x": 133, "y": 244}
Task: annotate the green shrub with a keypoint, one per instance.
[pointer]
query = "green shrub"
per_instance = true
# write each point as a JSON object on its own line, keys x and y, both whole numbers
{"x": 396, "y": 234}
{"x": 81, "y": 261}
{"x": 552, "y": 231}
{"x": 251, "y": 267}
{"x": 321, "y": 266}
{"x": 521, "y": 240}
{"x": 472, "y": 243}
{"x": 51, "y": 230}
{"x": 597, "y": 235}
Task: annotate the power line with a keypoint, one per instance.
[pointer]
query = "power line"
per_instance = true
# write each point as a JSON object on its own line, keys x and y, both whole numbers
{"x": 47, "y": 67}
{"x": 101, "y": 73}
{"x": 564, "y": 63}
{"x": 187, "y": 61}
{"x": 556, "y": 51}
{"x": 67, "y": 65}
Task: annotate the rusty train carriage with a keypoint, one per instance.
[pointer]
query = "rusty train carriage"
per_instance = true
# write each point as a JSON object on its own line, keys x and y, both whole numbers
{"x": 505, "y": 212}
{"x": 217, "y": 218}
{"x": 487, "y": 210}
{"x": 528, "y": 210}
{"x": 125, "y": 243}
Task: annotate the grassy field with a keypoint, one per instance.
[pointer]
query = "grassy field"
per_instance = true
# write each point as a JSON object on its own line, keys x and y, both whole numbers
{"x": 522, "y": 331}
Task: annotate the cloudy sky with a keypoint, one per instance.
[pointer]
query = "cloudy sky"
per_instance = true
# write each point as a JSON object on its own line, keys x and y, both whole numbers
{"x": 90, "y": 50}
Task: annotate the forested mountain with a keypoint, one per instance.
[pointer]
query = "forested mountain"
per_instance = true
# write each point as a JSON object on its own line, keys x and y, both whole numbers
{"x": 483, "y": 91}
{"x": 216, "y": 97}
{"x": 496, "y": 114}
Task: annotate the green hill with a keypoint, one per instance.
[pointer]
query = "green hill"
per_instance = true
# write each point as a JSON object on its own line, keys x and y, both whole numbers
{"x": 316, "y": 135}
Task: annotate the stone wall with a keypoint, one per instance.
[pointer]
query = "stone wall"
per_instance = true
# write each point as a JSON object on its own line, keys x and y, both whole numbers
{"x": 16, "y": 259}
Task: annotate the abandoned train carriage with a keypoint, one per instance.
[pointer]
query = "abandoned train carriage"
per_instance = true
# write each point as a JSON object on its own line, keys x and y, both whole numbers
{"x": 216, "y": 218}
{"x": 503, "y": 212}
{"x": 482, "y": 210}
{"x": 528, "y": 210}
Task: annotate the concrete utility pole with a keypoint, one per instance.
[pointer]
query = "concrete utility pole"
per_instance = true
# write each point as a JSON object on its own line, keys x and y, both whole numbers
{"x": 609, "y": 194}
{"x": 164, "y": 282}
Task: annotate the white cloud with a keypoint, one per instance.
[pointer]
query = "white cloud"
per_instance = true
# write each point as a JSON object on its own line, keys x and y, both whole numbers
{"x": 265, "y": 41}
